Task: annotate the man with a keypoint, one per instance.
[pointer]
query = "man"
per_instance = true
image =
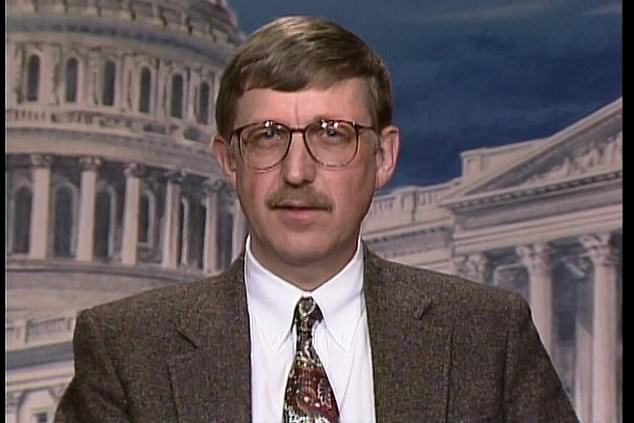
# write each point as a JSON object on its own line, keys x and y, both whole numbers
{"x": 308, "y": 325}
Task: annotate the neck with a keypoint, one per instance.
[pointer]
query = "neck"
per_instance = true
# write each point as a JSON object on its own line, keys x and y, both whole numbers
{"x": 307, "y": 273}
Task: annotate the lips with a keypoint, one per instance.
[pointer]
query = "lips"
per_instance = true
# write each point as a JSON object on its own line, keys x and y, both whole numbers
{"x": 292, "y": 205}
{"x": 299, "y": 215}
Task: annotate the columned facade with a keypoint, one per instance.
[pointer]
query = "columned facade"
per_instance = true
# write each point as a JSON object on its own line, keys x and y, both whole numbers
{"x": 108, "y": 129}
{"x": 543, "y": 219}
{"x": 572, "y": 285}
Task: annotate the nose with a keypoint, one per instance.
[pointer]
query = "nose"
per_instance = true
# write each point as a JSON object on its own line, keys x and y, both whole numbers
{"x": 298, "y": 167}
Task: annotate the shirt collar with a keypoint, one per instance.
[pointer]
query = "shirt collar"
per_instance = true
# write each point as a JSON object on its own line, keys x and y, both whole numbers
{"x": 272, "y": 300}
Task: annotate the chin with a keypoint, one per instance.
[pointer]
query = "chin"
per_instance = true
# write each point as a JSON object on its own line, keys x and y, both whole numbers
{"x": 300, "y": 253}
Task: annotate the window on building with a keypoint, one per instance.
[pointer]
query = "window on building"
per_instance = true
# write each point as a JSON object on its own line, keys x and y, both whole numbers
{"x": 144, "y": 90}
{"x": 33, "y": 78}
{"x": 199, "y": 222}
{"x": 40, "y": 418}
{"x": 102, "y": 229}
{"x": 225, "y": 229}
{"x": 146, "y": 218}
{"x": 64, "y": 204}
{"x": 565, "y": 320}
{"x": 22, "y": 220}
{"x": 203, "y": 103}
{"x": 176, "y": 99}
{"x": 183, "y": 233}
{"x": 71, "y": 74}
{"x": 109, "y": 76}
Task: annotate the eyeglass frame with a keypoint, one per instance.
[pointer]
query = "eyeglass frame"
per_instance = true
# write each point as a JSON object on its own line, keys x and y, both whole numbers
{"x": 237, "y": 134}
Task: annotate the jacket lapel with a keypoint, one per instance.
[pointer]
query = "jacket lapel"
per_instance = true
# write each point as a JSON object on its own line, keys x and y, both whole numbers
{"x": 212, "y": 383}
{"x": 411, "y": 350}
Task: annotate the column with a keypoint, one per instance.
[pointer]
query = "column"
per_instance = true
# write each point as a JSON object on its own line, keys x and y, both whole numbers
{"x": 130, "y": 76}
{"x": 583, "y": 343}
{"x": 94, "y": 79}
{"x": 131, "y": 214}
{"x": 473, "y": 267}
{"x": 536, "y": 259}
{"x": 171, "y": 220}
{"x": 49, "y": 91}
{"x": 120, "y": 89}
{"x": 12, "y": 406}
{"x": 14, "y": 63}
{"x": 193, "y": 94}
{"x": 210, "y": 256}
{"x": 91, "y": 8}
{"x": 512, "y": 277}
{"x": 85, "y": 243}
{"x": 239, "y": 233}
{"x": 41, "y": 206}
{"x": 56, "y": 392}
{"x": 162, "y": 103}
{"x": 604, "y": 326}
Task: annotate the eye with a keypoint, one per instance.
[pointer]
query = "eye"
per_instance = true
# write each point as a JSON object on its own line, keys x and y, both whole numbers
{"x": 266, "y": 135}
{"x": 334, "y": 132}
{"x": 270, "y": 132}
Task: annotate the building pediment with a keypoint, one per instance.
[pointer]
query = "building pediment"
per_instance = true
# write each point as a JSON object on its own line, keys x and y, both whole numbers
{"x": 588, "y": 150}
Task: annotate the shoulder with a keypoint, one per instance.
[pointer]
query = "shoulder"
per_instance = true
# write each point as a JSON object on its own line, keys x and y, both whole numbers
{"x": 157, "y": 310}
{"x": 164, "y": 299}
{"x": 451, "y": 294}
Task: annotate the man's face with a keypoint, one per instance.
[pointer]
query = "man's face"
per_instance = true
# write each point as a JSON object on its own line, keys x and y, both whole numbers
{"x": 300, "y": 212}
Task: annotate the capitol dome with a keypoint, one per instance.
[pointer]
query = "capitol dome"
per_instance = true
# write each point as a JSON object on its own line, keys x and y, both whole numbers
{"x": 111, "y": 185}
{"x": 111, "y": 188}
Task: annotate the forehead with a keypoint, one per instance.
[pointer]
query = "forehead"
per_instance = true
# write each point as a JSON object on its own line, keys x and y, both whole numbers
{"x": 344, "y": 100}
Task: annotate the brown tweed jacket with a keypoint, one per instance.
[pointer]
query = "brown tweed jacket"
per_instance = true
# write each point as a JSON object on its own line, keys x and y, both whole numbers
{"x": 443, "y": 350}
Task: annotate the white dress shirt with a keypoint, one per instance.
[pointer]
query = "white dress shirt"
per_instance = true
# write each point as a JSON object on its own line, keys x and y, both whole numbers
{"x": 341, "y": 339}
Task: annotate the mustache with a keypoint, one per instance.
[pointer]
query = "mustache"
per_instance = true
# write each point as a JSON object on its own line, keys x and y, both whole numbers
{"x": 306, "y": 195}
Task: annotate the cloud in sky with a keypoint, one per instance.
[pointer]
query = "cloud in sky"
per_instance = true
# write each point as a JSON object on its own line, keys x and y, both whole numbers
{"x": 613, "y": 9}
{"x": 487, "y": 13}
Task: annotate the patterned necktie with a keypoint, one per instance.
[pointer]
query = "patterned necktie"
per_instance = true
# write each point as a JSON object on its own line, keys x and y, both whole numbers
{"x": 309, "y": 397}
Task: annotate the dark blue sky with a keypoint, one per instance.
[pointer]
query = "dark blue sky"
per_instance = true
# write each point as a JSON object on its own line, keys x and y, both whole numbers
{"x": 477, "y": 73}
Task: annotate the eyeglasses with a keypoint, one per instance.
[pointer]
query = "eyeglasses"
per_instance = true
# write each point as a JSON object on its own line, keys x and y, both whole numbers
{"x": 331, "y": 143}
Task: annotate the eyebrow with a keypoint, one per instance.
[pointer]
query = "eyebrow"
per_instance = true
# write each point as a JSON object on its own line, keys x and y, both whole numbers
{"x": 316, "y": 119}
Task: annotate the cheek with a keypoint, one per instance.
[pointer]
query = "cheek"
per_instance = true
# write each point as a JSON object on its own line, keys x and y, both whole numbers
{"x": 353, "y": 192}
{"x": 253, "y": 189}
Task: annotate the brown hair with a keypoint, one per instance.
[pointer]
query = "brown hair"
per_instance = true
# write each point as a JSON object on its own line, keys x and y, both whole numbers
{"x": 297, "y": 52}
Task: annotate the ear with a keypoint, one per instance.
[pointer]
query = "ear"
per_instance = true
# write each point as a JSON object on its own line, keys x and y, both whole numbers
{"x": 386, "y": 155}
{"x": 223, "y": 152}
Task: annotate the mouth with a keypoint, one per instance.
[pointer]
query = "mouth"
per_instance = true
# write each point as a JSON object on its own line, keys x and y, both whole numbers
{"x": 300, "y": 206}
{"x": 300, "y": 215}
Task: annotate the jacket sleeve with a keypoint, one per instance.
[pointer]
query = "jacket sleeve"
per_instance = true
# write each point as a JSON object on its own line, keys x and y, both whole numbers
{"x": 95, "y": 393}
{"x": 532, "y": 388}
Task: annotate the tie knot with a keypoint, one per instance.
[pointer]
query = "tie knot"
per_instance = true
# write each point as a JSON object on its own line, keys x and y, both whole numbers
{"x": 307, "y": 313}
